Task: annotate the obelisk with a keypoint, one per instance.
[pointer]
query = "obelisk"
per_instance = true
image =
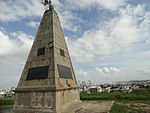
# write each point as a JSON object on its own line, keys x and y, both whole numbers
{"x": 48, "y": 83}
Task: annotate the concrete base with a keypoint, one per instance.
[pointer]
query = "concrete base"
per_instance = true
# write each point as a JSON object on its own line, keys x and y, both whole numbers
{"x": 43, "y": 101}
{"x": 70, "y": 108}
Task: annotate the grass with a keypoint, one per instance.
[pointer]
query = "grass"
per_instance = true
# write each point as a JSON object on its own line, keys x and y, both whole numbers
{"x": 6, "y": 103}
{"x": 116, "y": 108}
{"x": 5, "y": 106}
{"x": 140, "y": 95}
{"x": 136, "y": 102}
{"x": 129, "y": 107}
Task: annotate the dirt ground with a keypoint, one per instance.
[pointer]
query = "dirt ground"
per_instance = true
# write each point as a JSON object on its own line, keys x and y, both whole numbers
{"x": 88, "y": 107}
{"x": 6, "y": 111}
{"x": 96, "y": 107}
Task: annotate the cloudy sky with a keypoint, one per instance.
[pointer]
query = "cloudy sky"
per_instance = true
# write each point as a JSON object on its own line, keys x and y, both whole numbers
{"x": 109, "y": 40}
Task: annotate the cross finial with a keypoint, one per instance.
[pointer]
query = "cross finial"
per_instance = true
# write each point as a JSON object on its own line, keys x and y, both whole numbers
{"x": 48, "y": 3}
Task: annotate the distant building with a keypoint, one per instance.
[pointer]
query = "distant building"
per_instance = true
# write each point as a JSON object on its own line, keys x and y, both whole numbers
{"x": 7, "y": 92}
{"x": 127, "y": 86}
{"x": 94, "y": 89}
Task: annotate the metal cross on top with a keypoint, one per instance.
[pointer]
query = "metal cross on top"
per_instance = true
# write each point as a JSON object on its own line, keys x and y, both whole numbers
{"x": 47, "y": 3}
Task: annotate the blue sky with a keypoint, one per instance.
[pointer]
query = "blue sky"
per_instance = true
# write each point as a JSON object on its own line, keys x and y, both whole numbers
{"x": 109, "y": 40}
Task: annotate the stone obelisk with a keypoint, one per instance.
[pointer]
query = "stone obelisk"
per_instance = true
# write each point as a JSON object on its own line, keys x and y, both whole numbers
{"x": 48, "y": 83}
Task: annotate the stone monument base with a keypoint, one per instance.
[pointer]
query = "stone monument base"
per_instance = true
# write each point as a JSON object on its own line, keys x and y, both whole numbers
{"x": 47, "y": 100}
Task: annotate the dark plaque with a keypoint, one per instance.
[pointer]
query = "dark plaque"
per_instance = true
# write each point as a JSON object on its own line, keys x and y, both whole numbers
{"x": 41, "y": 51}
{"x": 38, "y": 73}
{"x": 62, "y": 53}
{"x": 64, "y": 72}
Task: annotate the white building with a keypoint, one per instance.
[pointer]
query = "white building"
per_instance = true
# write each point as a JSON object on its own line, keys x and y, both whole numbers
{"x": 5, "y": 93}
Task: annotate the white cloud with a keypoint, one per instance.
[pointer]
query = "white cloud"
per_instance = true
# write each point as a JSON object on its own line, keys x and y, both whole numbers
{"x": 111, "y": 4}
{"x": 91, "y": 44}
{"x": 18, "y": 9}
{"x": 83, "y": 4}
{"x": 103, "y": 75}
{"x": 33, "y": 24}
{"x": 123, "y": 30}
{"x": 107, "y": 70}
{"x": 113, "y": 37}
{"x": 15, "y": 47}
{"x": 82, "y": 75}
{"x": 69, "y": 19}
{"x": 13, "y": 53}
{"x": 81, "y": 72}
{"x": 148, "y": 42}
{"x": 5, "y": 44}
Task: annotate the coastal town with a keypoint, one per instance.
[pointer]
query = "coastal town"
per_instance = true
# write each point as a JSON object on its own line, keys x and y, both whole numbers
{"x": 88, "y": 87}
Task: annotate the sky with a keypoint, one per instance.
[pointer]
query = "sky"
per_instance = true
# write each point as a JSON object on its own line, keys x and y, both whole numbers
{"x": 108, "y": 40}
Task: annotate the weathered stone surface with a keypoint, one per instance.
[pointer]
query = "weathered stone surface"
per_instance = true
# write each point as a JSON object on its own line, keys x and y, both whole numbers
{"x": 52, "y": 93}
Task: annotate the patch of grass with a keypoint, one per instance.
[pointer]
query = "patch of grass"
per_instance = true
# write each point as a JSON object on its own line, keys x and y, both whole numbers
{"x": 135, "y": 101}
{"x": 120, "y": 107}
{"x": 6, "y": 101}
{"x": 6, "y": 106}
{"x": 116, "y": 108}
{"x": 140, "y": 95}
